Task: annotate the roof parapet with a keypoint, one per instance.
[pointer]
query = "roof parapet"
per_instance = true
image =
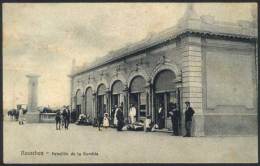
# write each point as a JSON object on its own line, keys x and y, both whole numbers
{"x": 189, "y": 21}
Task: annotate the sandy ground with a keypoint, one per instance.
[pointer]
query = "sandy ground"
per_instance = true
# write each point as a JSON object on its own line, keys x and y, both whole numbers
{"x": 110, "y": 146}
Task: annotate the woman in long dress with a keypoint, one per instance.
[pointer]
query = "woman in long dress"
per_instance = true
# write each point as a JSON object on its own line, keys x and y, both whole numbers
{"x": 21, "y": 117}
{"x": 120, "y": 119}
{"x": 106, "y": 121}
{"x": 115, "y": 119}
{"x": 161, "y": 117}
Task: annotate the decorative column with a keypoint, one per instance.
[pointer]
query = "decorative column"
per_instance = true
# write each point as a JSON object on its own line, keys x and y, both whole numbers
{"x": 32, "y": 92}
{"x": 148, "y": 90}
{"x": 33, "y": 115}
{"x": 83, "y": 105}
{"x": 148, "y": 100}
{"x": 94, "y": 112}
{"x": 178, "y": 83}
{"x": 74, "y": 100}
{"x": 108, "y": 97}
{"x": 71, "y": 93}
{"x": 126, "y": 102}
{"x": 152, "y": 100}
{"x": 192, "y": 80}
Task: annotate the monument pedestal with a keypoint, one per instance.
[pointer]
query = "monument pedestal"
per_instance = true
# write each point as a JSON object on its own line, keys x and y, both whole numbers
{"x": 32, "y": 117}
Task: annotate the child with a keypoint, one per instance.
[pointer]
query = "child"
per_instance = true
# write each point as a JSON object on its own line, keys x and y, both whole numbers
{"x": 148, "y": 122}
{"x": 106, "y": 121}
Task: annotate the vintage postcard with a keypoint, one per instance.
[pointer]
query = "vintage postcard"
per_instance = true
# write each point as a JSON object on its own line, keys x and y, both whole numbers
{"x": 130, "y": 83}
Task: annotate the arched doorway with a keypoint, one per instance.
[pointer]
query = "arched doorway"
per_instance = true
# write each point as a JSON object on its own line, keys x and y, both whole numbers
{"x": 117, "y": 96}
{"x": 101, "y": 99}
{"x": 78, "y": 103}
{"x": 165, "y": 92}
{"x": 89, "y": 102}
{"x": 137, "y": 96}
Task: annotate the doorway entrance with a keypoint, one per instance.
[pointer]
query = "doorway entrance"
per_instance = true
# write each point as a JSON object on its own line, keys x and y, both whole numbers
{"x": 165, "y": 94}
{"x": 165, "y": 99}
{"x": 78, "y": 111}
{"x": 78, "y": 104}
{"x": 137, "y": 97}
{"x": 101, "y": 100}
{"x": 139, "y": 101}
{"x": 89, "y": 103}
{"x": 117, "y": 96}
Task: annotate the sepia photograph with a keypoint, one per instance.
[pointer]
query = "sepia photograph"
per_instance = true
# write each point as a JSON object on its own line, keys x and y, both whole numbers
{"x": 130, "y": 82}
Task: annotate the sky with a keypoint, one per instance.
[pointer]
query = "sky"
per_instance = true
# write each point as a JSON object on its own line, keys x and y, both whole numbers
{"x": 44, "y": 39}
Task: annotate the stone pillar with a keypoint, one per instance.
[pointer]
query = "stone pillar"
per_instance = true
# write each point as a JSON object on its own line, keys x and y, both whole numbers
{"x": 74, "y": 102}
{"x": 148, "y": 90}
{"x": 108, "y": 96}
{"x": 33, "y": 115}
{"x": 148, "y": 100}
{"x": 94, "y": 112}
{"x": 32, "y": 92}
{"x": 83, "y": 105}
{"x": 126, "y": 102}
{"x": 192, "y": 80}
{"x": 152, "y": 101}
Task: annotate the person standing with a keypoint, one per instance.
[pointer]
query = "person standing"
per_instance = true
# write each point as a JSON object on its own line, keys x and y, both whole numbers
{"x": 161, "y": 117}
{"x": 188, "y": 119}
{"x": 114, "y": 116}
{"x": 120, "y": 119}
{"x": 106, "y": 121}
{"x": 174, "y": 113}
{"x": 58, "y": 120}
{"x": 61, "y": 118}
{"x": 100, "y": 119}
{"x": 132, "y": 114}
{"x": 66, "y": 117}
{"x": 20, "y": 113}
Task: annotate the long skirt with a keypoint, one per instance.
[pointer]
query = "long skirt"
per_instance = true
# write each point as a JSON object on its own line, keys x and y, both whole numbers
{"x": 120, "y": 125}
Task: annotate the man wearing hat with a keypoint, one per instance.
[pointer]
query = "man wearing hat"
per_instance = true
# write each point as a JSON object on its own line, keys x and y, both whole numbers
{"x": 188, "y": 119}
{"x": 120, "y": 118}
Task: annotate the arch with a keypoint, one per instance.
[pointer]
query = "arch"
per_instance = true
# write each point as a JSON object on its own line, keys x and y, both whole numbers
{"x": 78, "y": 91}
{"x": 87, "y": 89}
{"x": 116, "y": 78}
{"x": 166, "y": 66}
{"x": 89, "y": 101}
{"x": 135, "y": 73}
{"x": 103, "y": 81}
{"x": 164, "y": 80}
{"x": 101, "y": 89}
{"x": 139, "y": 81}
{"x": 89, "y": 86}
{"x": 119, "y": 86}
{"x": 78, "y": 97}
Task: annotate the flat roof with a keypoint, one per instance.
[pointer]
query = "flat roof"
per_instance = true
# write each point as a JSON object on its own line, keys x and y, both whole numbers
{"x": 190, "y": 23}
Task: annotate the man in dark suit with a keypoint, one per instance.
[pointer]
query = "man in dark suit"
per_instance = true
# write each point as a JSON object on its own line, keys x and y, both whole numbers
{"x": 188, "y": 119}
{"x": 100, "y": 119}
{"x": 120, "y": 119}
{"x": 175, "y": 117}
{"x": 58, "y": 120}
{"x": 66, "y": 117}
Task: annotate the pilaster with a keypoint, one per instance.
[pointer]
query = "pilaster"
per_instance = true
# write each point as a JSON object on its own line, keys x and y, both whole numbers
{"x": 192, "y": 80}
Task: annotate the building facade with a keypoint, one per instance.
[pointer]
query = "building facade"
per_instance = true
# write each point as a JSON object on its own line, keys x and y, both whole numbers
{"x": 212, "y": 64}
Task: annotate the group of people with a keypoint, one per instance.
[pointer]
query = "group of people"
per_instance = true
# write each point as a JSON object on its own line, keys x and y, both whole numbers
{"x": 63, "y": 118}
{"x": 117, "y": 118}
{"x": 174, "y": 113}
